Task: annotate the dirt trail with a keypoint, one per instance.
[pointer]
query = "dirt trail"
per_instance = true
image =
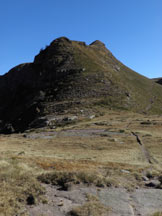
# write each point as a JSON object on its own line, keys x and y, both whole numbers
{"x": 144, "y": 151}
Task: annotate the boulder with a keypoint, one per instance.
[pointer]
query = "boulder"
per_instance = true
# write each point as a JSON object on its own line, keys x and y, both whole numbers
{"x": 153, "y": 183}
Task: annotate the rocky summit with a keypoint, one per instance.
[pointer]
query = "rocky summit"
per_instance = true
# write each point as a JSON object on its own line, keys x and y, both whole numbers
{"x": 69, "y": 78}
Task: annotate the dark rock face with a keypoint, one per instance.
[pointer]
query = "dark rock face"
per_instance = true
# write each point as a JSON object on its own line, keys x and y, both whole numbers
{"x": 159, "y": 81}
{"x": 65, "y": 75}
{"x": 27, "y": 88}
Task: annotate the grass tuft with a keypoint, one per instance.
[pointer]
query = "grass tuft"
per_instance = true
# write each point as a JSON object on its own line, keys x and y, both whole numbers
{"x": 64, "y": 179}
{"x": 18, "y": 186}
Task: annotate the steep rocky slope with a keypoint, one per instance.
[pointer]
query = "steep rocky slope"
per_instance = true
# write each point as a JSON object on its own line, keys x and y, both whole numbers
{"x": 68, "y": 76}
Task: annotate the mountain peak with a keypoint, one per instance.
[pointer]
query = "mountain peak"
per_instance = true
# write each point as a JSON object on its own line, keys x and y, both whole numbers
{"x": 61, "y": 40}
{"x": 97, "y": 43}
{"x": 69, "y": 76}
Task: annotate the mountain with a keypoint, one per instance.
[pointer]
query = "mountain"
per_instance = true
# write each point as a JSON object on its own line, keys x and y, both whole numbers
{"x": 69, "y": 76}
{"x": 158, "y": 80}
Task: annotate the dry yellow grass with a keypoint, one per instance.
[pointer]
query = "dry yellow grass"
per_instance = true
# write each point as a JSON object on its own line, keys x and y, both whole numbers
{"x": 23, "y": 159}
{"x": 18, "y": 187}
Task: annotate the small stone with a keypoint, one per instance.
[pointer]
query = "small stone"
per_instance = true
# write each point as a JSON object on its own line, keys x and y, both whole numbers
{"x": 125, "y": 171}
{"x": 92, "y": 117}
{"x": 21, "y": 153}
{"x": 145, "y": 178}
{"x": 72, "y": 118}
{"x": 113, "y": 140}
{"x": 8, "y": 128}
{"x": 61, "y": 203}
{"x": 153, "y": 183}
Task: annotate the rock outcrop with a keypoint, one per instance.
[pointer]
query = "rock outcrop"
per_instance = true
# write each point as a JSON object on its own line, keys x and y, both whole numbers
{"x": 67, "y": 75}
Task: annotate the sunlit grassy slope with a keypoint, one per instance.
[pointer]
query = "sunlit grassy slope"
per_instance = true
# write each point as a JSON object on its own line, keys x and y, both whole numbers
{"x": 105, "y": 81}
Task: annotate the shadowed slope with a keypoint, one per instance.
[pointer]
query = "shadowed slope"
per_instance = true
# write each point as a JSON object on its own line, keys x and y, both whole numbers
{"x": 70, "y": 74}
{"x": 158, "y": 80}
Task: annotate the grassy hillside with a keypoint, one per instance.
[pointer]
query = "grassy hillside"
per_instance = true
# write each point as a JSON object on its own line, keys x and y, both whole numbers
{"x": 69, "y": 76}
{"x": 117, "y": 85}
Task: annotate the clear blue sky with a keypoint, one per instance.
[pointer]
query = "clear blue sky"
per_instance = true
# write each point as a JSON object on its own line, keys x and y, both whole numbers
{"x": 131, "y": 29}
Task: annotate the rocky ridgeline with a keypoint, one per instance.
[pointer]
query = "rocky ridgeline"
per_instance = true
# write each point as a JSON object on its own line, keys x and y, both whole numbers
{"x": 65, "y": 77}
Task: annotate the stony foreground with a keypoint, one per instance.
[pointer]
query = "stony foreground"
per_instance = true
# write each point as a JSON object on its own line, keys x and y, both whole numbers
{"x": 119, "y": 201}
